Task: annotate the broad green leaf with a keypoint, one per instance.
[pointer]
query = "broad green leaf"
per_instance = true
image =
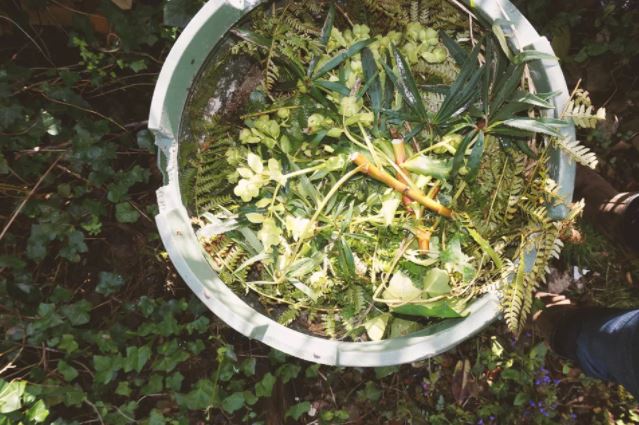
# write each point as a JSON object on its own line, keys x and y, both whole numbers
{"x": 407, "y": 86}
{"x": 442, "y": 309}
{"x": 402, "y": 327}
{"x": 389, "y": 207}
{"x": 401, "y": 289}
{"x": 341, "y": 57}
{"x": 69, "y": 373}
{"x": 376, "y": 327}
{"x": 125, "y": 213}
{"x": 11, "y": 395}
{"x": 427, "y": 166}
{"x": 233, "y": 403}
{"x": 436, "y": 282}
{"x": 109, "y": 283}
{"x": 297, "y": 410}
{"x": 136, "y": 358}
{"x": 264, "y": 388}
{"x": 38, "y": 412}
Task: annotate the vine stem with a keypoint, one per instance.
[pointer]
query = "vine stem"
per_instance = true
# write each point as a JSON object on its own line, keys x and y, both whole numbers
{"x": 321, "y": 207}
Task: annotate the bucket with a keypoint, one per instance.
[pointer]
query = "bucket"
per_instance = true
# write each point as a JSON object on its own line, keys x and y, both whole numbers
{"x": 186, "y": 62}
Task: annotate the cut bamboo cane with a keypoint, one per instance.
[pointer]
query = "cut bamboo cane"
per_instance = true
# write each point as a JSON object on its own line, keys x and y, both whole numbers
{"x": 400, "y": 157}
{"x": 417, "y": 195}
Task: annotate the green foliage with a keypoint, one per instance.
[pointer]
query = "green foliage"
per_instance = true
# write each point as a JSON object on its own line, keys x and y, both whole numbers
{"x": 96, "y": 327}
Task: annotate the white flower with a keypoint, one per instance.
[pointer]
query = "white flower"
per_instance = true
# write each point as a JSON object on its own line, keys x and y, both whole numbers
{"x": 270, "y": 234}
{"x": 298, "y": 227}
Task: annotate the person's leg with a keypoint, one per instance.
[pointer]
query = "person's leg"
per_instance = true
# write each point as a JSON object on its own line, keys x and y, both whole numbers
{"x": 607, "y": 348}
{"x": 603, "y": 342}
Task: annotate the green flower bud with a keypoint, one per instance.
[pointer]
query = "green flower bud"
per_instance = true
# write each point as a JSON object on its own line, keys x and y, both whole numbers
{"x": 315, "y": 122}
{"x": 411, "y": 51}
{"x": 438, "y": 55}
{"x": 301, "y": 87}
{"x": 350, "y": 106}
{"x": 413, "y": 29}
{"x": 452, "y": 139}
{"x": 361, "y": 32}
{"x": 283, "y": 113}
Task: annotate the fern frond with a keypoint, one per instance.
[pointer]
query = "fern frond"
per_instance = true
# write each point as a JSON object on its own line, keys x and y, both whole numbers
{"x": 577, "y": 152}
{"x": 289, "y": 315}
{"x": 330, "y": 325}
{"x": 583, "y": 115}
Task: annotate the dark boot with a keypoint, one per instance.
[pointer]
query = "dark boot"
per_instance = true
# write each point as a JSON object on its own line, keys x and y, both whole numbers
{"x": 611, "y": 212}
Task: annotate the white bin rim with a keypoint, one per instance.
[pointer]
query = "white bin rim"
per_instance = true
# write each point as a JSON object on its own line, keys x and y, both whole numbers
{"x": 180, "y": 71}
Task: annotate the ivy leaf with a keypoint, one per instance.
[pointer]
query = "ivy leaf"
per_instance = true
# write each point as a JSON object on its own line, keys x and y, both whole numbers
{"x": 264, "y": 388}
{"x": 11, "y": 395}
{"x": 38, "y": 412}
{"x": 106, "y": 367}
{"x": 109, "y": 283}
{"x": 288, "y": 371}
{"x": 68, "y": 372}
{"x": 77, "y": 313}
{"x": 436, "y": 282}
{"x": 297, "y": 410}
{"x": 136, "y": 358}
{"x": 233, "y": 403}
{"x": 125, "y": 213}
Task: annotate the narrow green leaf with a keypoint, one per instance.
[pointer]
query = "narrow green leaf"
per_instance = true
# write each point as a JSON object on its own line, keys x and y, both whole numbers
{"x": 475, "y": 157}
{"x": 533, "y": 125}
{"x": 460, "y": 155}
{"x": 522, "y": 145}
{"x": 427, "y": 166}
{"x": 532, "y": 55}
{"x": 324, "y": 37}
{"x": 347, "y": 260}
{"x": 333, "y": 86}
{"x": 341, "y": 57}
{"x": 252, "y": 37}
{"x": 407, "y": 85}
{"x": 501, "y": 37}
{"x": 504, "y": 90}
{"x": 485, "y": 246}
{"x": 456, "y": 51}
{"x": 373, "y": 84}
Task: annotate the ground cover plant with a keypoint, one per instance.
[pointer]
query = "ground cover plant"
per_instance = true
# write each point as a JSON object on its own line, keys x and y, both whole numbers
{"x": 377, "y": 178}
{"x": 98, "y": 328}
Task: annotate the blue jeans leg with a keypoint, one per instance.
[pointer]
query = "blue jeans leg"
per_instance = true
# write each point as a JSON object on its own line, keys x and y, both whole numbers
{"x": 608, "y": 348}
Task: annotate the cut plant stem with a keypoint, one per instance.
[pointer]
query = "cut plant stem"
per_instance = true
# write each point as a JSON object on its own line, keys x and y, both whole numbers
{"x": 400, "y": 156}
{"x": 434, "y": 191}
{"x": 417, "y": 195}
{"x": 423, "y": 239}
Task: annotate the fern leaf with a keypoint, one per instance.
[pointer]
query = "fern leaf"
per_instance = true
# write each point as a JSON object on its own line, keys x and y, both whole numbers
{"x": 583, "y": 115}
{"x": 577, "y": 151}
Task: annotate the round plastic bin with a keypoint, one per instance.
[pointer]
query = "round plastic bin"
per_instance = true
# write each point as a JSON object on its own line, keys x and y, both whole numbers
{"x": 184, "y": 63}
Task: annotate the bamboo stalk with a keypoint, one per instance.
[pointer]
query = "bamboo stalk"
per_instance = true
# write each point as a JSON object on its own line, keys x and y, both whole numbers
{"x": 417, "y": 195}
{"x": 400, "y": 157}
